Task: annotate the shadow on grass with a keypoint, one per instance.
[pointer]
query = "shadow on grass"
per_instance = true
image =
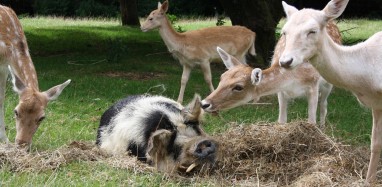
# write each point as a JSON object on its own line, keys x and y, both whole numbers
{"x": 92, "y": 40}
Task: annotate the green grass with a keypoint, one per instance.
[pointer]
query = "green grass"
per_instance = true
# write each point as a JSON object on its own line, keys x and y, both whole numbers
{"x": 85, "y": 50}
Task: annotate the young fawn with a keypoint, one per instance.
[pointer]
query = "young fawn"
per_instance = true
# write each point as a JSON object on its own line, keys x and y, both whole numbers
{"x": 198, "y": 47}
{"x": 15, "y": 58}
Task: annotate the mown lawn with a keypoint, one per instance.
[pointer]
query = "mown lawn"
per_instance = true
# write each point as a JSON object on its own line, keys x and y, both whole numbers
{"x": 107, "y": 62}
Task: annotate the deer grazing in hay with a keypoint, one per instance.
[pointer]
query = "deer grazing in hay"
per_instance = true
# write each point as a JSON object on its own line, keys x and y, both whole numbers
{"x": 355, "y": 68}
{"x": 241, "y": 84}
{"x": 15, "y": 58}
{"x": 198, "y": 47}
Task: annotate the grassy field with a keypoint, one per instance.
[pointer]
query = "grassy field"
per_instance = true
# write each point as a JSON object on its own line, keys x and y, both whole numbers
{"x": 107, "y": 62}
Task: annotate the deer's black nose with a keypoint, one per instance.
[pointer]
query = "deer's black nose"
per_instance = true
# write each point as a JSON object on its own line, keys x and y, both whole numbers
{"x": 206, "y": 105}
{"x": 286, "y": 63}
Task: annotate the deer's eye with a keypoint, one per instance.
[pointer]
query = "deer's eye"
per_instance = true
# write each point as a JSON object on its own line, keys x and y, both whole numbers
{"x": 312, "y": 32}
{"x": 150, "y": 19}
{"x": 238, "y": 88}
{"x": 41, "y": 119}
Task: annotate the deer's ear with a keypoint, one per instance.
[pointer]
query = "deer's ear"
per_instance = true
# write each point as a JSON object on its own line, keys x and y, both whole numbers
{"x": 18, "y": 84}
{"x": 288, "y": 9}
{"x": 164, "y": 7}
{"x": 256, "y": 76}
{"x": 159, "y": 5}
{"x": 55, "y": 91}
{"x": 334, "y": 9}
{"x": 228, "y": 60}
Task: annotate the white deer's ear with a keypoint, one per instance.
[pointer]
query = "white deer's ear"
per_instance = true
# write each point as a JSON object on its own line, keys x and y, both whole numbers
{"x": 55, "y": 91}
{"x": 334, "y": 9}
{"x": 256, "y": 76}
{"x": 159, "y": 5}
{"x": 164, "y": 7}
{"x": 18, "y": 84}
{"x": 288, "y": 9}
{"x": 228, "y": 60}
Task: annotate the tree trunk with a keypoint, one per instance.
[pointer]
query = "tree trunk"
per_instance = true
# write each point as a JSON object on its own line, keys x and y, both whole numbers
{"x": 262, "y": 17}
{"x": 129, "y": 12}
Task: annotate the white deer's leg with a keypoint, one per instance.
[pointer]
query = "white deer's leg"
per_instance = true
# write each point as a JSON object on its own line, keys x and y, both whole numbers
{"x": 3, "y": 80}
{"x": 283, "y": 107}
{"x": 376, "y": 145}
{"x": 325, "y": 92}
{"x": 242, "y": 59}
{"x": 312, "y": 104}
{"x": 207, "y": 74}
{"x": 183, "y": 82}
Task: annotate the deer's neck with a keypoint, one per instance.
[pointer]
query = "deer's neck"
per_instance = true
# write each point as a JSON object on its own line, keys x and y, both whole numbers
{"x": 170, "y": 37}
{"x": 22, "y": 63}
{"x": 339, "y": 64}
{"x": 14, "y": 43}
{"x": 274, "y": 80}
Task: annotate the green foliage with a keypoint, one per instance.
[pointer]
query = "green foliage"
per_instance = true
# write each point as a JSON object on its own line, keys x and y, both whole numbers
{"x": 92, "y": 8}
{"x": 182, "y": 7}
{"x": 105, "y": 8}
{"x": 57, "y": 8}
{"x": 173, "y": 19}
{"x": 73, "y": 8}
{"x": 220, "y": 21}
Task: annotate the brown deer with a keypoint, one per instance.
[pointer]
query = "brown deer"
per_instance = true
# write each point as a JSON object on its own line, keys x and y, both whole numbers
{"x": 198, "y": 47}
{"x": 241, "y": 84}
{"x": 15, "y": 58}
{"x": 355, "y": 68}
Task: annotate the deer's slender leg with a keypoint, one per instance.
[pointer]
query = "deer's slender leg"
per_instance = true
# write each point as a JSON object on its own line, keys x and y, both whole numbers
{"x": 283, "y": 107}
{"x": 183, "y": 82}
{"x": 207, "y": 74}
{"x": 3, "y": 80}
{"x": 376, "y": 145}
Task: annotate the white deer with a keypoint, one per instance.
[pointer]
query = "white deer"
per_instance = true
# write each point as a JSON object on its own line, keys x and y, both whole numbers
{"x": 14, "y": 56}
{"x": 356, "y": 68}
{"x": 241, "y": 84}
{"x": 198, "y": 47}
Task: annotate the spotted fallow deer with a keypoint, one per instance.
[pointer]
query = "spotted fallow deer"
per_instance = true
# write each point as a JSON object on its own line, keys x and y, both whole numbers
{"x": 198, "y": 47}
{"x": 241, "y": 84}
{"x": 15, "y": 58}
{"x": 355, "y": 68}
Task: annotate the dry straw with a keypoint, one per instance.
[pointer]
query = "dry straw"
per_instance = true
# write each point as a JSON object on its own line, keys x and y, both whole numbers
{"x": 296, "y": 154}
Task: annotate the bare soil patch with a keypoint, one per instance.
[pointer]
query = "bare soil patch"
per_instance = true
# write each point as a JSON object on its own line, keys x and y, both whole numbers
{"x": 134, "y": 75}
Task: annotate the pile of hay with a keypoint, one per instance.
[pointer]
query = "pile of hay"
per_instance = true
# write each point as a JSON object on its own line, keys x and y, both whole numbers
{"x": 296, "y": 154}
{"x": 21, "y": 161}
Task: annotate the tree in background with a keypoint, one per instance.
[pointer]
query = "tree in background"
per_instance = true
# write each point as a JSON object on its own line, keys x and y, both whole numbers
{"x": 262, "y": 17}
{"x": 129, "y": 12}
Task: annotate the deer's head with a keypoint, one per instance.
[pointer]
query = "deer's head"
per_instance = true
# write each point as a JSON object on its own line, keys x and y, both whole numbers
{"x": 235, "y": 86}
{"x": 304, "y": 31}
{"x": 156, "y": 17}
{"x": 30, "y": 111}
